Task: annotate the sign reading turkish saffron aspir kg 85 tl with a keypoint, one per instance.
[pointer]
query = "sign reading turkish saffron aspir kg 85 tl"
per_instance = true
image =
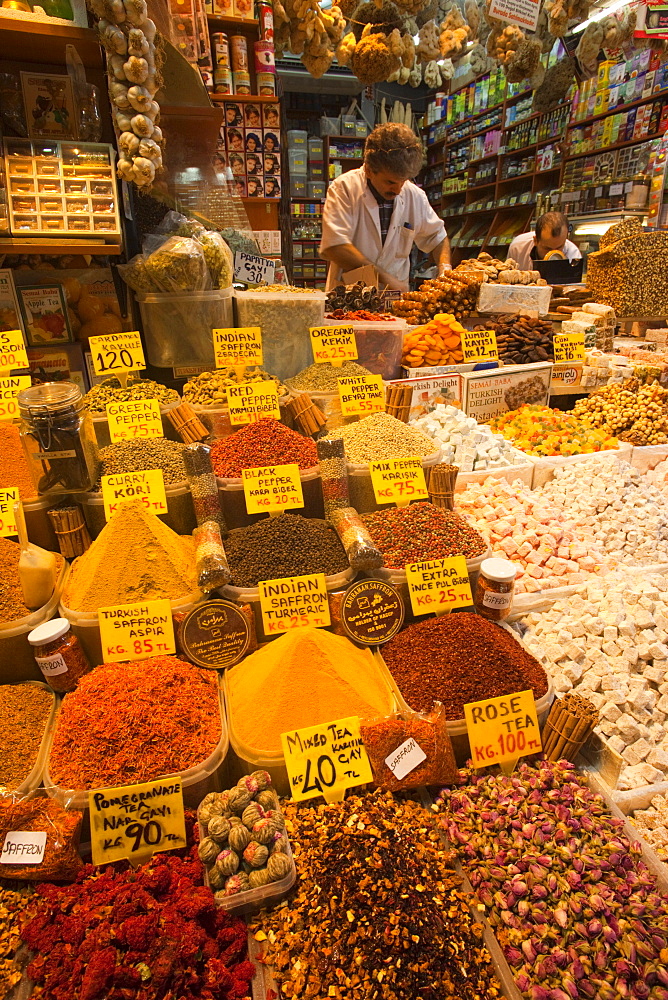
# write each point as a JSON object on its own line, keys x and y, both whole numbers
{"x": 136, "y": 631}
{"x": 326, "y": 760}
{"x": 502, "y": 729}
{"x": 294, "y": 602}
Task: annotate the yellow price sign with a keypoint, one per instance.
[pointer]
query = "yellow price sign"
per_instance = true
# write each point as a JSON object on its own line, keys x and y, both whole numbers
{"x": 250, "y": 401}
{"x": 138, "y": 418}
{"x": 569, "y": 347}
{"x": 136, "y": 821}
{"x": 335, "y": 344}
{"x": 238, "y": 345}
{"x": 12, "y": 351}
{"x": 398, "y": 480}
{"x": 294, "y": 602}
{"x": 502, "y": 729}
{"x": 479, "y": 345}
{"x": 326, "y": 760}
{"x": 439, "y": 585}
{"x": 136, "y": 631}
{"x": 10, "y": 387}
{"x": 117, "y": 353}
{"x": 8, "y": 497}
{"x": 123, "y": 487}
{"x": 272, "y": 488}
{"x": 361, "y": 395}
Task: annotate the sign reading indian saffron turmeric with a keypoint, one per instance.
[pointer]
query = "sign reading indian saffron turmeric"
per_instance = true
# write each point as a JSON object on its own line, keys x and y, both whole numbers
{"x": 136, "y": 631}
{"x": 136, "y": 821}
{"x": 326, "y": 759}
{"x": 294, "y": 602}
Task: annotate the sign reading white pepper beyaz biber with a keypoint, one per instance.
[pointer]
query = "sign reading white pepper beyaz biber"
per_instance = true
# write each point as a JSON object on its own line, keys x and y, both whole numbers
{"x": 522, "y": 12}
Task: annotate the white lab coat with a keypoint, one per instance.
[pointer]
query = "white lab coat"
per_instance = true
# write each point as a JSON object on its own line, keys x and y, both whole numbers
{"x": 351, "y": 215}
{"x": 521, "y": 247}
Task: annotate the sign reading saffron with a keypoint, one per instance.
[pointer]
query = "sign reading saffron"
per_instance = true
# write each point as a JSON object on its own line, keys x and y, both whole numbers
{"x": 294, "y": 602}
{"x": 326, "y": 759}
{"x": 136, "y": 821}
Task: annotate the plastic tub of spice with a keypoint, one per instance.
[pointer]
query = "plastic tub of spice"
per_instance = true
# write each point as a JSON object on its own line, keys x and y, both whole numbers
{"x": 197, "y": 781}
{"x": 285, "y": 315}
{"x": 362, "y": 496}
{"x": 178, "y": 327}
{"x": 379, "y": 344}
{"x": 17, "y": 662}
{"x": 101, "y": 425}
{"x": 478, "y": 681}
{"x": 35, "y": 741}
{"x": 180, "y": 516}
{"x": 233, "y": 502}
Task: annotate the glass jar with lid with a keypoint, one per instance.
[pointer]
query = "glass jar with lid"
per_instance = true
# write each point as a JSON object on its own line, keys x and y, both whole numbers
{"x": 58, "y": 438}
{"x": 58, "y": 654}
{"x": 494, "y": 589}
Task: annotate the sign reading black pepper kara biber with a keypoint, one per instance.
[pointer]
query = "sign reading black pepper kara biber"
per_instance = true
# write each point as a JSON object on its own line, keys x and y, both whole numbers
{"x": 372, "y": 611}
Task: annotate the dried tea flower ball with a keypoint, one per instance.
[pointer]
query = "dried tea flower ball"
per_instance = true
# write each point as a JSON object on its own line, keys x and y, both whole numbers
{"x": 263, "y": 779}
{"x": 277, "y": 816}
{"x": 239, "y": 838}
{"x": 280, "y": 846}
{"x": 216, "y": 878}
{"x": 236, "y": 883}
{"x": 267, "y": 799}
{"x": 234, "y": 821}
{"x": 263, "y": 831}
{"x": 256, "y": 854}
{"x": 251, "y": 815}
{"x": 258, "y": 878}
{"x": 227, "y": 862}
{"x": 238, "y": 800}
{"x": 208, "y": 850}
{"x": 219, "y": 829}
{"x": 204, "y": 813}
{"x": 249, "y": 783}
{"x": 278, "y": 866}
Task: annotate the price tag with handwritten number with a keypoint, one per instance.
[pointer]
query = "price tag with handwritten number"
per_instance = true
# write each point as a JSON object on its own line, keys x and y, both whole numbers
{"x": 398, "y": 480}
{"x": 136, "y": 631}
{"x": 502, "y": 729}
{"x": 335, "y": 344}
{"x": 10, "y": 387}
{"x": 439, "y": 585}
{"x": 8, "y": 497}
{"x": 479, "y": 345}
{"x": 361, "y": 395}
{"x": 238, "y": 345}
{"x": 272, "y": 488}
{"x": 294, "y": 602}
{"x": 569, "y": 347}
{"x": 136, "y": 821}
{"x": 326, "y": 760}
{"x": 137, "y": 418}
{"x": 252, "y": 269}
{"x": 12, "y": 351}
{"x": 117, "y": 353}
{"x": 250, "y": 401}
{"x": 123, "y": 487}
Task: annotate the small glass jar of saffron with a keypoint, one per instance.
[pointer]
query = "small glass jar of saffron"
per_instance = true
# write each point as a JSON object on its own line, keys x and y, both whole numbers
{"x": 494, "y": 589}
{"x": 58, "y": 654}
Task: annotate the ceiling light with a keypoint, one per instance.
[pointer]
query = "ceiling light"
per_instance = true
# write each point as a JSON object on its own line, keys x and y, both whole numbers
{"x": 600, "y": 14}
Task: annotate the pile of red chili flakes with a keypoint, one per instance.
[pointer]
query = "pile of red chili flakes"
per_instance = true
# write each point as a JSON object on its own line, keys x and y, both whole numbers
{"x": 152, "y": 933}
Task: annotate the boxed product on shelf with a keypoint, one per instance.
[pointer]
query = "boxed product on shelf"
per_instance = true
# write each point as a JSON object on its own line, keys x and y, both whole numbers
{"x": 495, "y": 298}
{"x": 428, "y": 392}
{"x": 64, "y": 363}
{"x": 10, "y": 314}
{"x": 45, "y": 314}
{"x": 486, "y": 394}
{"x": 61, "y": 188}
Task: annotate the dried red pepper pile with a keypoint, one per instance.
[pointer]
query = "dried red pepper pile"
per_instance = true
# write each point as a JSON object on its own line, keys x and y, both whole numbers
{"x": 266, "y": 442}
{"x": 151, "y": 933}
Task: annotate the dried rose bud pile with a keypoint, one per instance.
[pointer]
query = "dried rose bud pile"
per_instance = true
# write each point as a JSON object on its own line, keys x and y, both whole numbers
{"x": 149, "y": 933}
{"x": 378, "y": 912}
{"x": 577, "y": 911}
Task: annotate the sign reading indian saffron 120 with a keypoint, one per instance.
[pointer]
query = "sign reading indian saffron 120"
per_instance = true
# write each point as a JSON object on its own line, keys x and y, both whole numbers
{"x": 502, "y": 729}
{"x": 294, "y": 602}
{"x": 136, "y": 821}
{"x": 136, "y": 631}
{"x": 326, "y": 759}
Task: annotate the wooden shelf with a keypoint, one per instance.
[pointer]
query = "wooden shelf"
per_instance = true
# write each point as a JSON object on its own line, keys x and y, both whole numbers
{"x": 346, "y": 138}
{"x": 482, "y": 159}
{"x": 578, "y": 123}
{"x": 522, "y": 149}
{"x": 244, "y": 98}
{"x": 236, "y": 22}
{"x": 609, "y": 149}
{"x": 478, "y": 187}
{"x": 260, "y": 201}
{"x": 347, "y": 159}
{"x": 44, "y": 42}
{"x": 44, "y": 245}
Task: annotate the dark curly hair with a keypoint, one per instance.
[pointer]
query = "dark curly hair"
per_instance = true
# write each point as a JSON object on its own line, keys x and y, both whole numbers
{"x": 395, "y": 149}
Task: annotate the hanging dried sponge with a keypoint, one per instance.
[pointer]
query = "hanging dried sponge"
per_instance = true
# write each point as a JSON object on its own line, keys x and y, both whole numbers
{"x": 504, "y": 43}
{"x": 555, "y": 85}
{"x": 454, "y": 34}
{"x": 410, "y": 7}
{"x": 346, "y": 47}
{"x": 408, "y": 53}
{"x": 432, "y": 75}
{"x": 428, "y": 47}
{"x": 524, "y": 62}
{"x": 384, "y": 18}
{"x": 479, "y": 61}
{"x": 415, "y": 78}
{"x": 562, "y": 13}
{"x": 373, "y": 60}
{"x": 590, "y": 46}
{"x": 348, "y": 8}
{"x": 473, "y": 16}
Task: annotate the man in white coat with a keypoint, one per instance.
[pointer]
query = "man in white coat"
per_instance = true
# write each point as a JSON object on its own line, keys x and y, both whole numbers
{"x": 374, "y": 214}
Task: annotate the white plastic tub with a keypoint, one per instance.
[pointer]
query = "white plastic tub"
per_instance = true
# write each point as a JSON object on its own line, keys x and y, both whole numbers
{"x": 513, "y": 298}
{"x": 180, "y": 516}
{"x": 251, "y": 595}
{"x": 197, "y": 781}
{"x": 233, "y": 502}
{"x": 285, "y": 319}
{"x": 17, "y": 660}
{"x": 34, "y": 779}
{"x": 86, "y": 627}
{"x": 511, "y": 473}
{"x": 177, "y": 328}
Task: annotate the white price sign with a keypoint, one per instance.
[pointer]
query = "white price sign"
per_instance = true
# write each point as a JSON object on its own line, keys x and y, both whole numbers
{"x": 253, "y": 270}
